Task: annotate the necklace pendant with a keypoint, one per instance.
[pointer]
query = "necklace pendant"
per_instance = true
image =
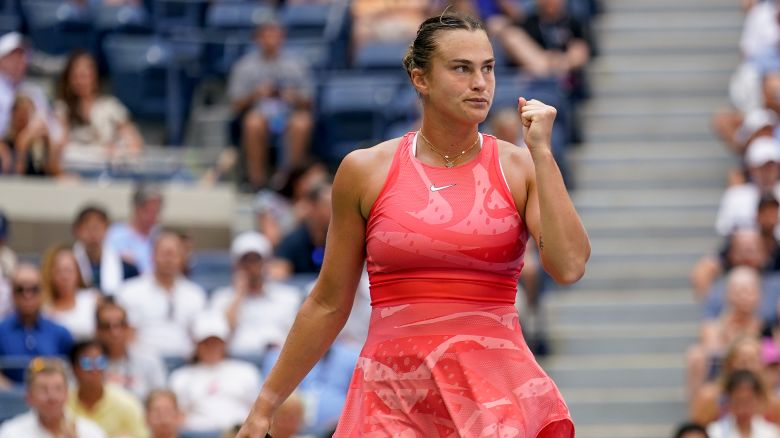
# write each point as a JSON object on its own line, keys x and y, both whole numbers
{"x": 449, "y": 164}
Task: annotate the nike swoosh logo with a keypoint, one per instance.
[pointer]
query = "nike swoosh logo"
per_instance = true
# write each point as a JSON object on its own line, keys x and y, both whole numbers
{"x": 436, "y": 189}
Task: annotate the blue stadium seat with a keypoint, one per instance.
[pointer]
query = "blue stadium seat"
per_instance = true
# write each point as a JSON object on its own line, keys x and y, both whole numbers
{"x": 352, "y": 109}
{"x": 238, "y": 15}
{"x": 150, "y": 76}
{"x": 308, "y": 19}
{"x": 174, "y": 15}
{"x": 383, "y": 55}
{"x": 59, "y": 27}
{"x": 314, "y": 51}
{"x": 212, "y": 269}
{"x": 124, "y": 18}
{"x": 12, "y": 403}
{"x": 173, "y": 362}
{"x": 9, "y": 22}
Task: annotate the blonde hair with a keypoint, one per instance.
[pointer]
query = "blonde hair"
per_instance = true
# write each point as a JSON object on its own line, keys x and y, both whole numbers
{"x": 47, "y": 271}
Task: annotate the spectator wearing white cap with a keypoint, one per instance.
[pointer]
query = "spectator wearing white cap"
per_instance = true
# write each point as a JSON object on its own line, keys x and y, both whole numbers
{"x": 739, "y": 204}
{"x": 259, "y": 312}
{"x": 13, "y": 69}
{"x": 162, "y": 304}
{"x": 214, "y": 392}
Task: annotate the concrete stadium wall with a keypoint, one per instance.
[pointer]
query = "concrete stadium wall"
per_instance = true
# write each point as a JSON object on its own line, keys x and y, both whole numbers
{"x": 40, "y": 211}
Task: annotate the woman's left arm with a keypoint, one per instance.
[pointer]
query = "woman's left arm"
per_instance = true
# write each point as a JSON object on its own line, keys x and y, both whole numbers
{"x": 563, "y": 243}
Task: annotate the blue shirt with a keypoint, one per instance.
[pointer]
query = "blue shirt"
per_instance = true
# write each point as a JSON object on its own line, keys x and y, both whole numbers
{"x": 45, "y": 338}
{"x": 131, "y": 245}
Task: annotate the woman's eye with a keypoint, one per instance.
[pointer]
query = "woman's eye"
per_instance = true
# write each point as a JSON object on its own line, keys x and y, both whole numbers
{"x": 487, "y": 68}
{"x": 461, "y": 69}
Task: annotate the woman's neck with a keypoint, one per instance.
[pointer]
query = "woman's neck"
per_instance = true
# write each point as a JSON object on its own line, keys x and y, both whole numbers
{"x": 65, "y": 301}
{"x": 450, "y": 140}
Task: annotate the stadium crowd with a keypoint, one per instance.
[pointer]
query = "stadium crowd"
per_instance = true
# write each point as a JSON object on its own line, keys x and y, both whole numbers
{"x": 127, "y": 328}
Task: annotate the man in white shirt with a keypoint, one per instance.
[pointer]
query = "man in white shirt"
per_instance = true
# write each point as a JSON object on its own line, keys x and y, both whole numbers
{"x": 13, "y": 69}
{"x": 739, "y": 204}
{"x": 134, "y": 239}
{"x": 260, "y": 313}
{"x": 47, "y": 392}
{"x": 162, "y": 305}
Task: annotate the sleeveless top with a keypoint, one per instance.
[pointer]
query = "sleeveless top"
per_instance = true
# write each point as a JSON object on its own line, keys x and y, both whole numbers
{"x": 437, "y": 233}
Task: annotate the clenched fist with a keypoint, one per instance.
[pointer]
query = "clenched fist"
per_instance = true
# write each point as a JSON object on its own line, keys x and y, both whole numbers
{"x": 537, "y": 119}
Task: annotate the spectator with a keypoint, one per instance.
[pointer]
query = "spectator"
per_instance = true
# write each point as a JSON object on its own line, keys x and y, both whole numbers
{"x": 163, "y": 415}
{"x": 326, "y": 385}
{"x": 26, "y": 148}
{"x": 90, "y": 118}
{"x": 757, "y": 123}
{"x": 26, "y": 333}
{"x": 133, "y": 240}
{"x": 744, "y": 247}
{"x": 259, "y": 313}
{"x": 214, "y": 392}
{"x": 117, "y": 411}
{"x": 768, "y": 214}
{"x": 744, "y": 395}
{"x": 66, "y": 300}
{"x": 691, "y": 430}
{"x": 130, "y": 367}
{"x": 278, "y": 212}
{"x": 271, "y": 94}
{"x": 386, "y": 20}
{"x": 161, "y": 305}
{"x": 13, "y": 69}
{"x": 302, "y": 251}
{"x": 289, "y": 418}
{"x": 739, "y": 319}
{"x": 100, "y": 265}
{"x": 47, "y": 391}
{"x": 743, "y": 354}
{"x": 738, "y": 205}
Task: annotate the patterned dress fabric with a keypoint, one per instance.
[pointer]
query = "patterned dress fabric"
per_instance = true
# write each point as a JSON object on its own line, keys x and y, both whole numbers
{"x": 445, "y": 355}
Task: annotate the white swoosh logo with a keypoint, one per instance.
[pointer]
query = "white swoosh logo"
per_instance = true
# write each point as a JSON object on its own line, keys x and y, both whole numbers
{"x": 436, "y": 189}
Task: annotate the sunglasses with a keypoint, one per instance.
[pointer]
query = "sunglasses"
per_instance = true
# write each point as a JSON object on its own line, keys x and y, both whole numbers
{"x": 93, "y": 364}
{"x": 111, "y": 325}
{"x": 20, "y": 289}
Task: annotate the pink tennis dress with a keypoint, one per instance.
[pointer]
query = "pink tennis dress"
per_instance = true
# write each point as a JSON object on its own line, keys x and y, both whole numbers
{"x": 445, "y": 356}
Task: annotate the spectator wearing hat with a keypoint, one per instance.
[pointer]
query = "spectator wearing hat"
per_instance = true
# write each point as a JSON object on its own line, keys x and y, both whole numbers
{"x": 162, "y": 304}
{"x": 14, "y": 53}
{"x": 137, "y": 370}
{"x": 759, "y": 122}
{"x": 100, "y": 265}
{"x": 214, "y": 392}
{"x": 46, "y": 387}
{"x": 259, "y": 312}
{"x": 271, "y": 93}
{"x": 26, "y": 333}
{"x": 117, "y": 411}
{"x": 739, "y": 203}
{"x": 134, "y": 239}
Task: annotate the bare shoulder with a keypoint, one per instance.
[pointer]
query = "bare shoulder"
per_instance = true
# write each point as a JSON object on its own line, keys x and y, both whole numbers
{"x": 364, "y": 171}
{"x": 512, "y": 154}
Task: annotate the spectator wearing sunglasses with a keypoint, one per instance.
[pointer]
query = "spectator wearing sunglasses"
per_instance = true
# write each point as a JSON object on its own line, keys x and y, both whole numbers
{"x": 46, "y": 392}
{"x": 114, "y": 409}
{"x": 26, "y": 333}
{"x": 137, "y": 370}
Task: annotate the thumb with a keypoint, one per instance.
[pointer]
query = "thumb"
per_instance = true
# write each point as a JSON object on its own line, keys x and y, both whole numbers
{"x": 521, "y": 103}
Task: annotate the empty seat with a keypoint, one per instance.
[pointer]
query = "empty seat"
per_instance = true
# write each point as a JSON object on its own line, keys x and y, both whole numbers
{"x": 12, "y": 403}
{"x": 238, "y": 15}
{"x": 381, "y": 55}
{"x": 58, "y": 28}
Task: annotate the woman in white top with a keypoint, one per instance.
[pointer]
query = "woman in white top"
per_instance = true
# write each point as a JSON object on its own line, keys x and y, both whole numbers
{"x": 745, "y": 395}
{"x": 214, "y": 392}
{"x": 90, "y": 118}
{"x": 67, "y": 302}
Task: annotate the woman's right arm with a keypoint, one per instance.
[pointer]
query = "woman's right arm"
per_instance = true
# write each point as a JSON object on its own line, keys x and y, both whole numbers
{"x": 324, "y": 313}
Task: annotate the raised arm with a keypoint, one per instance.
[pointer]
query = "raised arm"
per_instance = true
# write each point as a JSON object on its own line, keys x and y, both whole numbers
{"x": 325, "y": 311}
{"x": 563, "y": 243}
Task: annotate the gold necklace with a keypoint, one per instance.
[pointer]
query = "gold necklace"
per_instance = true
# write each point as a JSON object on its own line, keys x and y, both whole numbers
{"x": 449, "y": 162}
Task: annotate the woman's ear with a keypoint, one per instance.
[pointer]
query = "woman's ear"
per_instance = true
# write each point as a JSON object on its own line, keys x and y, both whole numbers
{"x": 420, "y": 81}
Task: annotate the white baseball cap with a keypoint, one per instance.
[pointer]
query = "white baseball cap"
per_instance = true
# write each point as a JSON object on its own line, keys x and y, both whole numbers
{"x": 250, "y": 242}
{"x": 210, "y": 325}
{"x": 761, "y": 151}
{"x": 755, "y": 120}
{"x": 10, "y": 42}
